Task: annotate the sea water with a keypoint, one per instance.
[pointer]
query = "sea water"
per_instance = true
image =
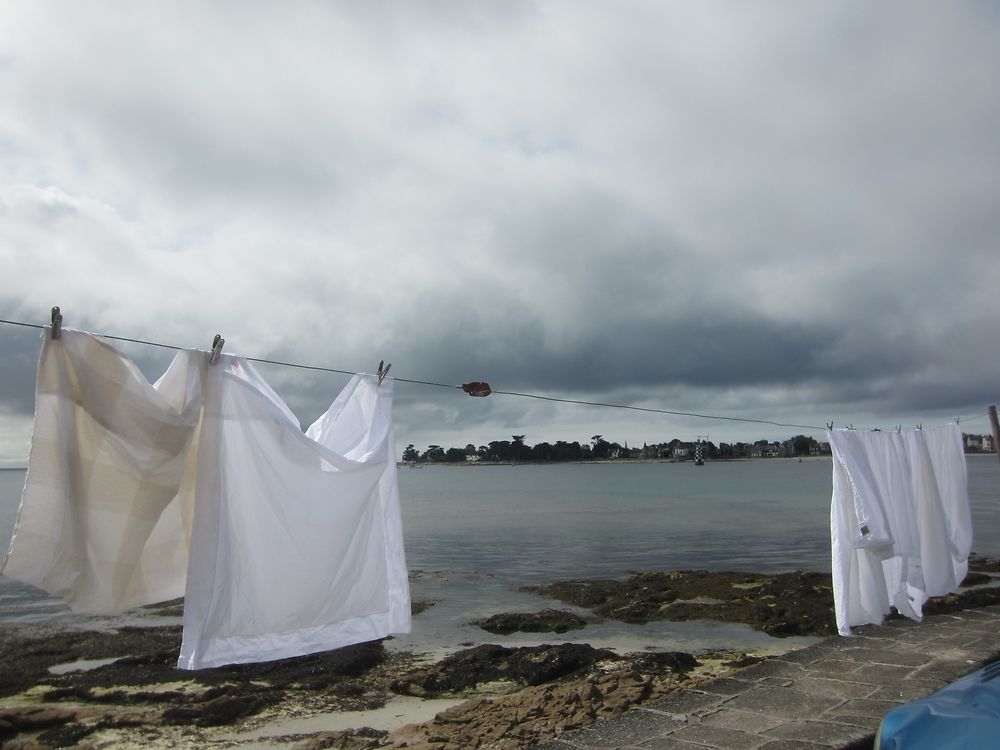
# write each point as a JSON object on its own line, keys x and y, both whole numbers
{"x": 536, "y": 523}
{"x": 475, "y": 535}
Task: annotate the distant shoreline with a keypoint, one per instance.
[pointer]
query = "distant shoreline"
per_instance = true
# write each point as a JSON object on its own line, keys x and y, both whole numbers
{"x": 629, "y": 461}
{"x": 623, "y": 462}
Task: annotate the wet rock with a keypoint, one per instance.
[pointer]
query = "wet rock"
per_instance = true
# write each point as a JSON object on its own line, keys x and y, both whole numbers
{"x": 336, "y": 672}
{"x": 172, "y": 608}
{"x": 224, "y": 709}
{"x": 33, "y": 718}
{"x": 534, "y": 714}
{"x": 365, "y": 738}
{"x": 982, "y": 564}
{"x": 743, "y": 661}
{"x": 27, "y": 654}
{"x": 559, "y": 688}
{"x": 67, "y": 735}
{"x": 981, "y": 597}
{"x": 976, "y": 579}
{"x": 660, "y": 662}
{"x": 144, "y": 692}
{"x": 782, "y": 604}
{"x": 53, "y": 722}
{"x": 87, "y": 695}
{"x": 529, "y": 665}
{"x": 418, "y": 606}
{"x": 546, "y": 621}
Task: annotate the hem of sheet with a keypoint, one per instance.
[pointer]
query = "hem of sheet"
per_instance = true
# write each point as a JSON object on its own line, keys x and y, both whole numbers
{"x": 217, "y": 652}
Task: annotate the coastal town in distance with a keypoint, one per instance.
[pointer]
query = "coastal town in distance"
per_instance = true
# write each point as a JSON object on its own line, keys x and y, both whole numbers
{"x": 600, "y": 449}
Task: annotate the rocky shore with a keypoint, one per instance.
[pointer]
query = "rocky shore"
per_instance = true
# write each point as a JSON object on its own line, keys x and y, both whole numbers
{"x": 62, "y": 687}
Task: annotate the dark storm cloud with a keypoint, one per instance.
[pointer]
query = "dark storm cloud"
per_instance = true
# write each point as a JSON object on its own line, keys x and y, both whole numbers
{"x": 19, "y": 347}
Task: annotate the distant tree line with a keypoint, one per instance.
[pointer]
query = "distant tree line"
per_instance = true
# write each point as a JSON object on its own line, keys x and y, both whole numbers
{"x": 516, "y": 449}
{"x": 599, "y": 449}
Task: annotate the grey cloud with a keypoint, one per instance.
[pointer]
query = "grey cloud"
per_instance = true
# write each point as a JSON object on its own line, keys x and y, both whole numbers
{"x": 17, "y": 368}
{"x": 751, "y": 208}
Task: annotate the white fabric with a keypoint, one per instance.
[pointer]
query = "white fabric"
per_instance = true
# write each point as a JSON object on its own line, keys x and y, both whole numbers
{"x": 105, "y": 517}
{"x": 297, "y": 544}
{"x": 204, "y": 485}
{"x": 900, "y": 525}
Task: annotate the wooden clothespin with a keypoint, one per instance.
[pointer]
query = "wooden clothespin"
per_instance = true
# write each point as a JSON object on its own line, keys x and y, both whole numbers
{"x": 56, "y": 323}
{"x": 217, "y": 344}
{"x": 383, "y": 370}
{"x": 477, "y": 388}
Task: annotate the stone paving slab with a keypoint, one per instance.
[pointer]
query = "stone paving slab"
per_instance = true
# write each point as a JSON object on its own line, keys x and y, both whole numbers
{"x": 830, "y": 695}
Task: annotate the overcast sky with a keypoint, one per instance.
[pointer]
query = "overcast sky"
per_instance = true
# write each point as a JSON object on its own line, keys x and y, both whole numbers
{"x": 774, "y": 210}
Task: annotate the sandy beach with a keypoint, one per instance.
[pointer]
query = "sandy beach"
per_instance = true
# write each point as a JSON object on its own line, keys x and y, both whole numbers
{"x": 63, "y": 686}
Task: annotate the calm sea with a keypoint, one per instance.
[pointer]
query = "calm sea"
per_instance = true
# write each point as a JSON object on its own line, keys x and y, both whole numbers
{"x": 479, "y": 533}
{"x": 538, "y": 523}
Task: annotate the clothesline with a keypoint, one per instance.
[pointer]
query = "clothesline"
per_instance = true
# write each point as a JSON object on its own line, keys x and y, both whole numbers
{"x": 556, "y": 399}
{"x": 169, "y": 515}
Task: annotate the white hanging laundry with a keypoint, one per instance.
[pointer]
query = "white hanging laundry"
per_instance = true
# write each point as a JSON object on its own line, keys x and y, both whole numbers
{"x": 890, "y": 468}
{"x": 297, "y": 543}
{"x": 942, "y": 506}
{"x": 105, "y": 516}
{"x": 913, "y": 485}
{"x": 203, "y": 485}
{"x": 859, "y": 534}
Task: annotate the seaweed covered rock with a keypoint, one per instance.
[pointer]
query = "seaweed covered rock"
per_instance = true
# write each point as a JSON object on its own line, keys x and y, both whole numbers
{"x": 546, "y": 621}
{"x": 223, "y": 708}
{"x": 659, "y": 662}
{"x": 982, "y": 564}
{"x": 781, "y": 604}
{"x": 529, "y": 665}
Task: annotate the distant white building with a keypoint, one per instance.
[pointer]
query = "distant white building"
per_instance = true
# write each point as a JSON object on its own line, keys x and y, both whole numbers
{"x": 979, "y": 443}
{"x": 766, "y": 450}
